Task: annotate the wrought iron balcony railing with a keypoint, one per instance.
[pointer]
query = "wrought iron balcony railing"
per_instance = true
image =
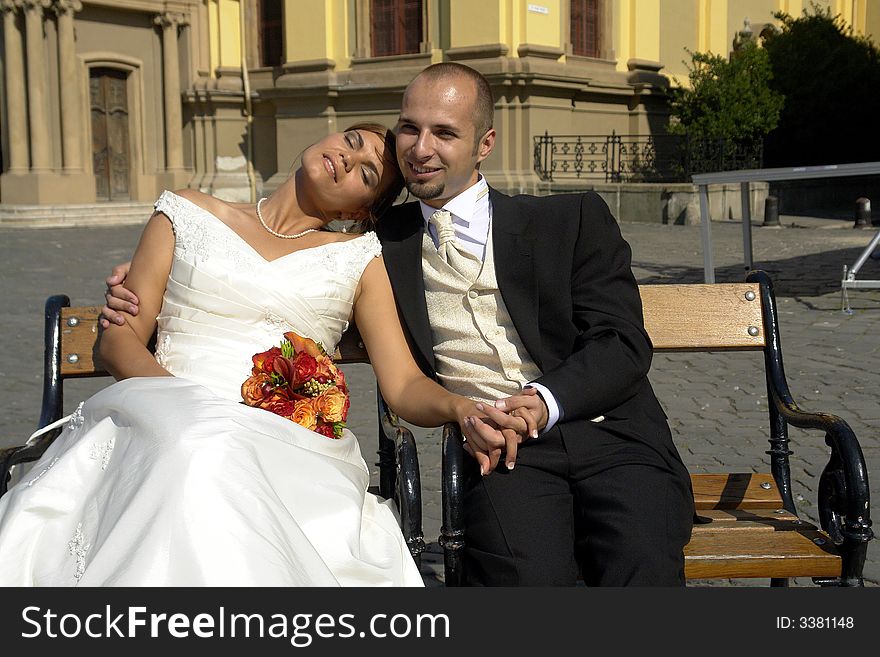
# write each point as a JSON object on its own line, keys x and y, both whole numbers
{"x": 640, "y": 158}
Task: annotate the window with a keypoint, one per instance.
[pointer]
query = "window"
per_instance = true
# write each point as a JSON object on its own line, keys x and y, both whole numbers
{"x": 585, "y": 27}
{"x": 395, "y": 26}
{"x": 271, "y": 36}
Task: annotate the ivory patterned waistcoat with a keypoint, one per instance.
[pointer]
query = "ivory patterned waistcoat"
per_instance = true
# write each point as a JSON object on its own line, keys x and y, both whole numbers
{"x": 477, "y": 351}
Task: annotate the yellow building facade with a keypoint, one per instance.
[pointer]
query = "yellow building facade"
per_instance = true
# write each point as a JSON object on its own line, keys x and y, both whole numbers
{"x": 106, "y": 101}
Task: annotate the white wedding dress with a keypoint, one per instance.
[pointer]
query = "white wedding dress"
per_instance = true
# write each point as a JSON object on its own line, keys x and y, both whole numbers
{"x": 171, "y": 481}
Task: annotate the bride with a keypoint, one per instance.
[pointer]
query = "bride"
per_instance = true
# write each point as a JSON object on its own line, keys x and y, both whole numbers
{"x": 165, "y": 478}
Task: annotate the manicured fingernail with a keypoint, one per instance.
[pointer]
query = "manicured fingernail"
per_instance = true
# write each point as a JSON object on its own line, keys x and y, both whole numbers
{"x": 479, "y": 407}
{"x": 533, "y": 434}
{"x": 510, "y": 465}
{"x": 482, "y": 472}
{"x": 119, "y": 321}
{"x": 500, "y": 404}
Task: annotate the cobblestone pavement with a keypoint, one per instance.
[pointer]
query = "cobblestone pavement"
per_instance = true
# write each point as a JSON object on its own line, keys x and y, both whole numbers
{"x": 717, "y": 403}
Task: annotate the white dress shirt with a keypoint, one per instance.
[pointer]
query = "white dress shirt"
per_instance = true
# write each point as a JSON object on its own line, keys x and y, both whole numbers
{"x": 472, "y": 218}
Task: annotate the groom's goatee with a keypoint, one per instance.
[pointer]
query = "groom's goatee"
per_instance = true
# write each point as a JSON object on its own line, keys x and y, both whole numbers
{"x": 425, "y": 191}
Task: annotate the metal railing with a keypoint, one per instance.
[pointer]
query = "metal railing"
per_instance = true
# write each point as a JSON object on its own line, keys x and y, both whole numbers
{"x": 640, "y": 158}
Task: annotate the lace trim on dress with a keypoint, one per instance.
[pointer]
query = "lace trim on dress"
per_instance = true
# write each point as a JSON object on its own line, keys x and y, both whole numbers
{"x": 197, "y": 238}
{"x": 102, "y": 452}
{"x": 42, "y": 472}
{"x": 76, "y": 418}
{"x": 275, "y": 324}
{"x": 198, "y": 233}
{"x": 78, "y": 548}
{"x": 163, "y": 345}
{"x": 354, "y": 258}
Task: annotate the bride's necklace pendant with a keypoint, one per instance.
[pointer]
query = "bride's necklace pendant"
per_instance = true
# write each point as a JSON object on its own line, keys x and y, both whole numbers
{"x": 289, "y": 236}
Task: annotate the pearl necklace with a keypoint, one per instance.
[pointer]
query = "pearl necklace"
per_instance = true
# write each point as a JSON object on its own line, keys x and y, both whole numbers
{"x": 291, "y": 236}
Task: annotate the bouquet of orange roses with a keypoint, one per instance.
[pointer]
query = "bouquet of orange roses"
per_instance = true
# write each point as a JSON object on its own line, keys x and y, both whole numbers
{"x": 299, "y": 381}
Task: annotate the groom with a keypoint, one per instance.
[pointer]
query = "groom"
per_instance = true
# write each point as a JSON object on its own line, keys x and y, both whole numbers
{"x": 496, "y": 292}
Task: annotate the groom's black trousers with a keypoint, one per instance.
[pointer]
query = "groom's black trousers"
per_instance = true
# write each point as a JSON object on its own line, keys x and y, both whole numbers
{"x": 613, "y": 509}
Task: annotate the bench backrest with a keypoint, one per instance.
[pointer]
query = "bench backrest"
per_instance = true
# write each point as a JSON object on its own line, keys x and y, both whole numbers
{"x": 689, "y": 317}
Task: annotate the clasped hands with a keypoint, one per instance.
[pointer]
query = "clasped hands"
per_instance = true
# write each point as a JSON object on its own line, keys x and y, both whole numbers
{"x": 494, "y": 431}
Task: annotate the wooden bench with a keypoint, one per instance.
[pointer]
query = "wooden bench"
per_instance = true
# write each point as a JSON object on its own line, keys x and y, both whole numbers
{"x": 70, "y": 337}
{"x": 747, "y": 525}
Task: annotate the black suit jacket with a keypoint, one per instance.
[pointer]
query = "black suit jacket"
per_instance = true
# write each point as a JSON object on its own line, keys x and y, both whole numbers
{"x": 564, "y": 272}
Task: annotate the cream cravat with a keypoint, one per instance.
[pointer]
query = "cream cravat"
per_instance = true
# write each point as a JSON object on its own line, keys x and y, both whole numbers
{"x": 460, "y": 260}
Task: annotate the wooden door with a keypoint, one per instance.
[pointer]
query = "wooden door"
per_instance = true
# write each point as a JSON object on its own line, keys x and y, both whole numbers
{"x": 110, "y": 147}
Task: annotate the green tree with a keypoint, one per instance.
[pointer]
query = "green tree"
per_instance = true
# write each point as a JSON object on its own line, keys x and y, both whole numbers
{"x": 830, "y": 79}
{"x": 729, "y": 100}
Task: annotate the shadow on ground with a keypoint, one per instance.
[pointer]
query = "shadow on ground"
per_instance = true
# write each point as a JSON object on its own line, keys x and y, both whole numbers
{"x": 809, "y": 275}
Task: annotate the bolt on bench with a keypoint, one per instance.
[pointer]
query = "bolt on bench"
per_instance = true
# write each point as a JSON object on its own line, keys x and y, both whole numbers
{"x": 746, "y": 525}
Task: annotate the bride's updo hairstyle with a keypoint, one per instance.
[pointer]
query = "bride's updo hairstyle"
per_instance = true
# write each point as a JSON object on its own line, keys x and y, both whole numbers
{"x": 394, "y": 185}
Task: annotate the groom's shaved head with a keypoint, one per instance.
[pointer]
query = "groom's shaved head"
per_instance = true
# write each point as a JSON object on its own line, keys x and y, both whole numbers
{"x": 484, "y": 104}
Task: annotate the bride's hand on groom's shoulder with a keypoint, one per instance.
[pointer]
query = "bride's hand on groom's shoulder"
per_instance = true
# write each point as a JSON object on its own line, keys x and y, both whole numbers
{"x": 118, "y": 298}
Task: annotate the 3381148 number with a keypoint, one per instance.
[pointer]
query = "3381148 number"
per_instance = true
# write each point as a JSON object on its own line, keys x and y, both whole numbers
{"x": 815, "y": 622}
{"x": 825, "y": 622}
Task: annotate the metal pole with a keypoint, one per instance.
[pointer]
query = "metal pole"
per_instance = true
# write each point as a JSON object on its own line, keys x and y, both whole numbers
{"x": 706, "y": 234}
{"x": 864, "y": 256}
{"x": 747, "y": 225}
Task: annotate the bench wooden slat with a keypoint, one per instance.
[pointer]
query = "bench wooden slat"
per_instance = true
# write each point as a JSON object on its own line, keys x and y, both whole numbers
{"x": 737, "y": 490}
{"x": 755, "y": 552}
{"x": 750, "y": 520}
{"x": 79, "y": 334}
{"x": 703, "y": 317}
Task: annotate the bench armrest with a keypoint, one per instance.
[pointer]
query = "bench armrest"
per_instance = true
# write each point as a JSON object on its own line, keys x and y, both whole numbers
{"x": 844, "y": 495}
{"x": 399, "y": 477}
{"x": 452, "y": 529}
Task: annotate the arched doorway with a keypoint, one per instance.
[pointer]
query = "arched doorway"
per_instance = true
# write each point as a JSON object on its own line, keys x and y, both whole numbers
{"x": 111, "y": 159}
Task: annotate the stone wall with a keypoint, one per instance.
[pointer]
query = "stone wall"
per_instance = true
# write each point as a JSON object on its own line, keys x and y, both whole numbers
{"x": 672, "y": 203}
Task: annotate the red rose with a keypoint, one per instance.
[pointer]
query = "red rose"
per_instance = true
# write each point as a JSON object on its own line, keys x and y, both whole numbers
{"x": 340, "y": 381}
{"x": 263, "y": 362}
{"x": 304, "y": 368}
{"x": 283, "y": 407}
{"x": 325, "y": 430}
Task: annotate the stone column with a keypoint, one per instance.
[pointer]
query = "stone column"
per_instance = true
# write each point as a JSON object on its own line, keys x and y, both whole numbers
{"x": 41, "y": 153}
{"x": 169, "y": 22}
{"x": 71, "y": 121}
{"x": 16, "y": 110}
